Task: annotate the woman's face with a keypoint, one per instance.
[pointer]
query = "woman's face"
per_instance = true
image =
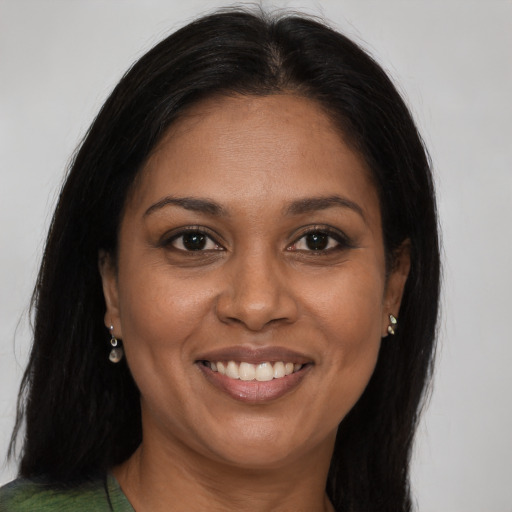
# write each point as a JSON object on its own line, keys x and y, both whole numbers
{"x": 251, "y": 245}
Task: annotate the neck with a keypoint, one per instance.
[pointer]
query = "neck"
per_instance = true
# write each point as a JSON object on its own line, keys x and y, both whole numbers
{"x": 155, "y": 478}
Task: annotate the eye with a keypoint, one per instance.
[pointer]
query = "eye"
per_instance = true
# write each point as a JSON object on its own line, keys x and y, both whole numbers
{"x": 320, "y": 240}
{"x": 194, "y": 240}
{"x": 317, "y": 241}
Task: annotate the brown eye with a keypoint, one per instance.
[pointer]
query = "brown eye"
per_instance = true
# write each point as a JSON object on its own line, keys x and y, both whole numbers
{"x": 317, "y": 241}
{"x": 194, "y": 241}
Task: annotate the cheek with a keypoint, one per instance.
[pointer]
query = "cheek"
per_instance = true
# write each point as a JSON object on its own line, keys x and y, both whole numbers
{"x": 348, "y": 302}
{"x": 347, "y": 310}
{"x": 160, "y": 317}
{"x": 153, "y": 300}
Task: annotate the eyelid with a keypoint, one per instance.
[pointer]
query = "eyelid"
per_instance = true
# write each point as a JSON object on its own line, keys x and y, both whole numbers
{"x": 344, "y": 241}
{"x": 172, "y": 235}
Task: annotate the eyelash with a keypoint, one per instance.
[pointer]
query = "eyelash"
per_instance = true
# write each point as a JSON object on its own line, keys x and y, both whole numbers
{"x": 341, "y": 240}
{"x": 192, "y": 230}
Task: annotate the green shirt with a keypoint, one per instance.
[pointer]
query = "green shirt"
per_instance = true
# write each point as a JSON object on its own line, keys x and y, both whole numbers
{"x": 25, "y": 495}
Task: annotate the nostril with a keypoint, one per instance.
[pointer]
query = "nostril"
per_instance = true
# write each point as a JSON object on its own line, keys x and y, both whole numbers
{"x": 256, "y": 313}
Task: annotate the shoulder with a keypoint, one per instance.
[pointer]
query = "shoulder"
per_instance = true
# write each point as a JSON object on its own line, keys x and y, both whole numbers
{"x": 24, "y": 495}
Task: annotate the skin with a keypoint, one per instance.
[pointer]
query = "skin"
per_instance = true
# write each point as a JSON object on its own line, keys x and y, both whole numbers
{"x": 257, "y": 283}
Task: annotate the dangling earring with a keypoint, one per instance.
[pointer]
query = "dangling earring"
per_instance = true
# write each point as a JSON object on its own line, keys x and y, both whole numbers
{"x": 117, "y": 352}
{"x": 392, "y": 324}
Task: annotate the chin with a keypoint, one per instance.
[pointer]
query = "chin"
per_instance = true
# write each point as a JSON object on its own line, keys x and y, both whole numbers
{"x": 263, "y": 445}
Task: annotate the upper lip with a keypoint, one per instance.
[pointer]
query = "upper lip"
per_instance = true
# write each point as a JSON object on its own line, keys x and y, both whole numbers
{"x": 255, "y": 355}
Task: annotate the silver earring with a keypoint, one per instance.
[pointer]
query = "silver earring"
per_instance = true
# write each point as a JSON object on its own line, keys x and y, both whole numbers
{"x": 392, "y": 324}
{"x": 117, "y": 352}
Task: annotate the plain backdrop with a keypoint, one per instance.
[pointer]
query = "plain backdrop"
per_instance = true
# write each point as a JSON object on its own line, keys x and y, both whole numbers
{"x": 453, "y": 62}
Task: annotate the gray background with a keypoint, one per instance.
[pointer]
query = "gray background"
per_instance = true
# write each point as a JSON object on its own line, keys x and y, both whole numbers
{"x": 452, "y": 60}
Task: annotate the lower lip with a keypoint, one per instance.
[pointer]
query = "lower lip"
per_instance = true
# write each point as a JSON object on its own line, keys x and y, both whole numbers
{"x": 255, "y": 391}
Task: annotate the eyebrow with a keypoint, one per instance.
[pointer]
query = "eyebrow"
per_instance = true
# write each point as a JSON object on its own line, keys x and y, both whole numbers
{"x": 188, "y": 203}
{"x": 312, "y": 204}
{"x": 297, "y": 207}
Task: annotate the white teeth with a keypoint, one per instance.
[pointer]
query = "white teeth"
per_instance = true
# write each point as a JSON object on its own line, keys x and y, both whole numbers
{"x": 247, "y": 371}
{"x": 232, "y": 370}
{"x": 261, "y": 372}
{"x": 264, "y": 372}
{"x": 279, "y": 370}
{"x": 221, "y": 368}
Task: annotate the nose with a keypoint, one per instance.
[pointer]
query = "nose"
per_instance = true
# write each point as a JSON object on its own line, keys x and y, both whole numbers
{"x": 256, "y": 293}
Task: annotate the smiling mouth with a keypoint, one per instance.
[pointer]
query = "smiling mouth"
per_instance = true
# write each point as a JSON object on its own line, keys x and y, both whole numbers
{"x": 261, "y": 372}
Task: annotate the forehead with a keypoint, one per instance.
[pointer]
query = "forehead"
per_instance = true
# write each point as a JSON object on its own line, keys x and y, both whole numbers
{"x": 261, "y": 149}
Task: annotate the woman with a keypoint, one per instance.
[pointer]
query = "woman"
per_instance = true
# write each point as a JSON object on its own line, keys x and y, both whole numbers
{"x": 249, "y": 217}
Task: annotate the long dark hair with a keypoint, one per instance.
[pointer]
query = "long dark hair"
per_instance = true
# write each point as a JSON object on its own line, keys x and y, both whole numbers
{"x": 82, "y": 413}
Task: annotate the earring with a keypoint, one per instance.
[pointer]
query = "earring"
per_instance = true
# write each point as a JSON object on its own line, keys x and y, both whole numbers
{"x": 392, "y": 324}
{"x": 117, "y": 352}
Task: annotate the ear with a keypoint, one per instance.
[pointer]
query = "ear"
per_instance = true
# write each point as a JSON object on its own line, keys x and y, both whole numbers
{"x": 108, "y": 272}
{"x": 395, "y": 284}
